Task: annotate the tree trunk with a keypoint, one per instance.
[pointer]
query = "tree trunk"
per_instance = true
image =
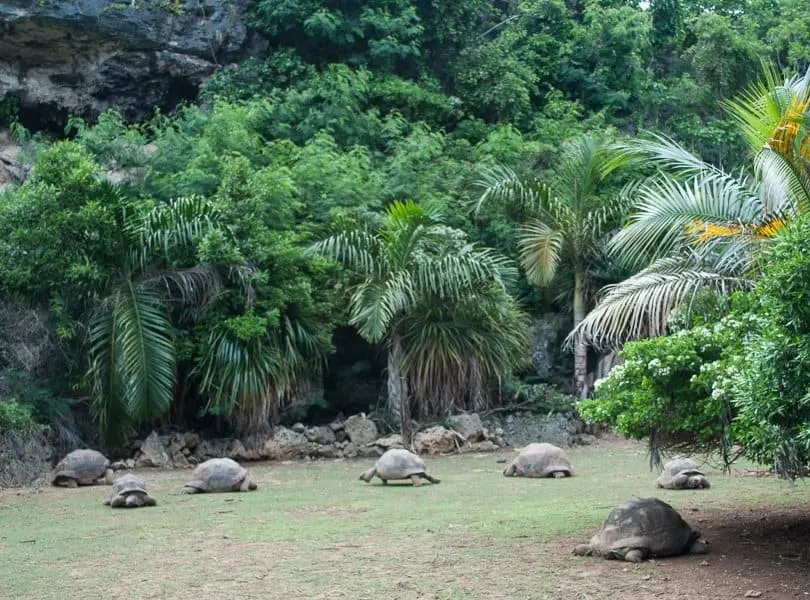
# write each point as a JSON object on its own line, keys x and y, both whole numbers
{"x": 398, "y": 401}
{"x": 580, "y": 349}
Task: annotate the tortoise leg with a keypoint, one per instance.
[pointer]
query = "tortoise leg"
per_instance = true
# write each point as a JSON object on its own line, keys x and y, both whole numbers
{"x": 369, "y": 475}
{"x": 509, "y": 470}
{"x": 416, "y": 480}
{"x": 188, "y": 490}
{"x": 559, "y": 474}
{"x": 149, "y": 501}
{"x": 71, "y": 483}
{"x": 385, "y": 481}
{"x": 636, "y": 555}
{"x": 582, "y": 550}
{"x": 431, "y": 479}
{"x": 109, "y": 477}
{"x": 118, "y": 502}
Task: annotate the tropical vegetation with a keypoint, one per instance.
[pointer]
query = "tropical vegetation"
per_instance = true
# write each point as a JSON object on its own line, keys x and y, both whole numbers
{"x": 377, "y": 211}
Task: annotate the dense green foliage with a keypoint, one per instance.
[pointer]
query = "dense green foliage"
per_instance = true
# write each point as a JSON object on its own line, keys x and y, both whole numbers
{"x": 739, "y": 380}
{"x": 170, "y": 256}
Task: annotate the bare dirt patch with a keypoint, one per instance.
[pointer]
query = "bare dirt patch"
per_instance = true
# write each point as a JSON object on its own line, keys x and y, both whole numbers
{"x": 755, "y": 552}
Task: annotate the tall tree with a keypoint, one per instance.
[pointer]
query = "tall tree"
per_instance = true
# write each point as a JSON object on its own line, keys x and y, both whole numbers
{"x": 566, "y": 222}
{"x": 438, "y": 303}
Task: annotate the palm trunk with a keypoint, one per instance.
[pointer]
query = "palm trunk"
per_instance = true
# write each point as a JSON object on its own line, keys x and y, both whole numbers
{"x": 398, "y": 401}
{"x": 580, "y": 349}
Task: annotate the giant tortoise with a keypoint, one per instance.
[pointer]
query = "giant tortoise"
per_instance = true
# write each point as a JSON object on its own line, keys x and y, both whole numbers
{"x": 399, "y": 463}
{"x": 540, "y": 460}
{"x": 82, "y": 467}
{"x": 682, "y": 474}
{"x": 219, "y": 475}
{"x": 643, "y": 528}
{"x": 129, "y": 491}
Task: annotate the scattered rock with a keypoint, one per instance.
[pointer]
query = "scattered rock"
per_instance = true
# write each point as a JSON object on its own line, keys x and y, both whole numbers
{"x": 752, "y": 594}
{"x": 238, "y": 451}
{"x": 360, "y": 429}
{"x": 320, "y": 435}
{"x": 436, "y": 440}
{"x": 485, "y": 446}
{"x": 191, "y": 440}
{"x": 118, "y": 465}
{"x": 386, "y": 443}
{"x": 350, "y": 450}
{"x": 153, "y": 453}
{"x": 469, "y": 426}
{"x": 299, "y": 428}
{"x": 336, "y": 426}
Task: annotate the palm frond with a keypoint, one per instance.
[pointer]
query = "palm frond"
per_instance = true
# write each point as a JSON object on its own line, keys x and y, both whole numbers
{"x": 640, "y": 306}
{"x": 666, "y": 211}
{"x": 770, "y": 110}
{"x": 540, "y": 248}
{"x": 108, "y": 400}
{"x": 196, "y": 286}
{"x": 785, "y": 188}
{"x": 146, "y": 351}
{"x": 132, "y": 360}
{"x": 175, "y": 224}
{"x": 355, "y": 249}
{"x": 503, "y": 186}
{"x": 670, "y": 157}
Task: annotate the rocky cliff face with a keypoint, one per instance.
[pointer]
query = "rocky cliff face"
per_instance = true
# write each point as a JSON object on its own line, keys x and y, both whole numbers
{"x": 80, "y": 57}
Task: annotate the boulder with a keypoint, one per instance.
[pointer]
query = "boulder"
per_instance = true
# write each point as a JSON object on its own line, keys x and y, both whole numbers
{"x": 320, "y": 435}
{"x": 191, "y": 440}
{"x": 468, "y": 425}
{"x": 391, "y": 441}
{"x": 299, "y": 428}
{"x": 239, "y": 452}
{"x": 153, "y": 453}
{"x": 287, "y": 444}
{"x": 436, "y": 440}
{"x": 336, "y": 426}
{"x": 485, "y": 446}
{"x": 213, "y": 448}
{"x": 360, "y": 429}
{"x": 326, "y": 451}
{"x": 25, "y": 459}
{"x": 349, "y": 450}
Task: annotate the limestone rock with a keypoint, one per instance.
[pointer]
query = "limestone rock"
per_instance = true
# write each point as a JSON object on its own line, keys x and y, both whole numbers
{"x": 436, "y": 440}
{"x": 392, "y": 441}
{"x": 82, "y": 57}
{"x": 153, "y": 453}
{"x": 320, "y": 435}
{"x": 360, "y": 429}
{"x": 469, "y": 426}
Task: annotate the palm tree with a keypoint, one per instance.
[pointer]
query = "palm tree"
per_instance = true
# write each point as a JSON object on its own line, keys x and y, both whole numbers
{"x": 438, "y": 303}
{"x": 568, "y": 220}
{"x": 247, "y": 375}
{"x": 695, "y": 226}
{"x": 130, "y": 333}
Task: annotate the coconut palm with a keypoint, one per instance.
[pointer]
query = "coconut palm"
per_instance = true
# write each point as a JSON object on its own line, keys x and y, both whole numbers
{"x": 567, "y": 221}
{"x": 130, "y": 334}
{"x": 694, "y": 225}
{"x": 438, "y": 303}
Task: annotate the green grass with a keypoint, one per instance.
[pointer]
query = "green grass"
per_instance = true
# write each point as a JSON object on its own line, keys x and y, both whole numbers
{"x": 312, "y": 530}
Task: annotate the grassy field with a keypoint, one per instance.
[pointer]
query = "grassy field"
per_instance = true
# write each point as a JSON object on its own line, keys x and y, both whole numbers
{"x": 312, "y": 530}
